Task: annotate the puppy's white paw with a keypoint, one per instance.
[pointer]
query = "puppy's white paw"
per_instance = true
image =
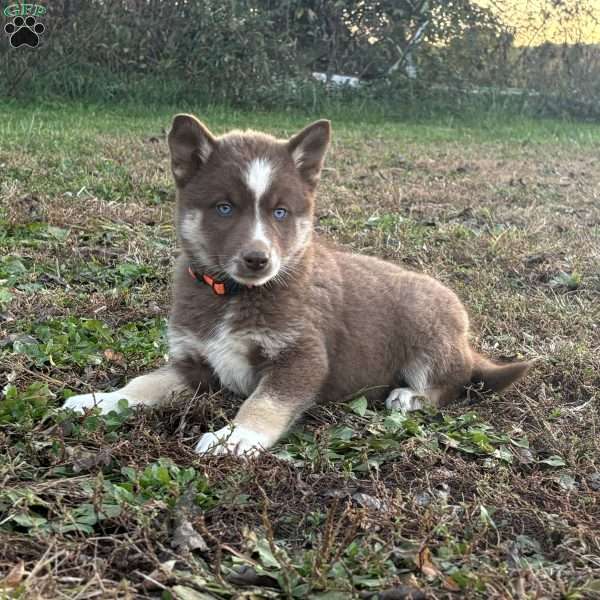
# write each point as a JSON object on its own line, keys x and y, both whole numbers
{"x": 105, "y": 401}
{"x": 236, "y": 439}
{"x": 404, "y": 400}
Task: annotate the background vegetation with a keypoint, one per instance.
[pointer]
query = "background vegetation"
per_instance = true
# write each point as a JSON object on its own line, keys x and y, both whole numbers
{"x": 425, "y": 54}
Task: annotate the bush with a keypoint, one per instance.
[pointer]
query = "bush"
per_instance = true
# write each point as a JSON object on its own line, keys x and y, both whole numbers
{"x": 260, "y": 53}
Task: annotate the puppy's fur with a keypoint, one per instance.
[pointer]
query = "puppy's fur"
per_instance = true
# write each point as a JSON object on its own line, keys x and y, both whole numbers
{"x": 302, "y": 323}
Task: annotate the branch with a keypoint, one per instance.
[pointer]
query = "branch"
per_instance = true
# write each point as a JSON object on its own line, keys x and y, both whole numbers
{"x": 412, "y": 43}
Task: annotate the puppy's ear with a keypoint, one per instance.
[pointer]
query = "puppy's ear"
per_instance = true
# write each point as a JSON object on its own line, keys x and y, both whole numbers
{"x": 190, "y": 144}
{"x": 308, "y": 149}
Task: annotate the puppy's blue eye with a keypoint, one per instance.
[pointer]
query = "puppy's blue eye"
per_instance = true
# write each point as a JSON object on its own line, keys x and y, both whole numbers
{"x": 280, "y": 213}
{"x": 224, "y": 209}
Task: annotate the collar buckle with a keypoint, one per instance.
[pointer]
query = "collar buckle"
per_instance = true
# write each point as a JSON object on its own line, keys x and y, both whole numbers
{"x": 220, "y": 288}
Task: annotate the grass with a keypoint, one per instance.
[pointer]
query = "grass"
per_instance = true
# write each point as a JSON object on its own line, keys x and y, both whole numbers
{"x": 494, "y": 497}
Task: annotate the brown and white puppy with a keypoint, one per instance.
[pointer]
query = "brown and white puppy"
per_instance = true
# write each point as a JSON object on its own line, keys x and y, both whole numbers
{"x": 282, "y": 319}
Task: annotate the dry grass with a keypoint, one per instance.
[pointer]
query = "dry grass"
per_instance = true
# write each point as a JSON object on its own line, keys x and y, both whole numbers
{"x": 351, "y": 504}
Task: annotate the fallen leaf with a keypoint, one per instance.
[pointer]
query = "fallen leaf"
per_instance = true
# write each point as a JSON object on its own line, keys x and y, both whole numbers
{"x": 86, "y": 461}
{"x": 554, "y": 461}
{"x": 449, "y": 584}
{"x": 423, "y": 498}
{"x": 525, "y": 456}
{"x": 14, "y": 576}
{"x": 115, "y": 357}
{"x": 567, "y": 482}
{"x": 429, "y": 569}
{"x": 186, "y": 593}
{"x": 594, "y": 481}
{"x": 185, "y": 537}
{"x": 425, "y": 564}
{"x": 401, "y": 592}
{"x": 367, "y": 501}
{"x": 247, "y": 575}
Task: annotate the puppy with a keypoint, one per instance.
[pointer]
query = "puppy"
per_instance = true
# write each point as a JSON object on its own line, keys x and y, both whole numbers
{"x": 280, "y": 318}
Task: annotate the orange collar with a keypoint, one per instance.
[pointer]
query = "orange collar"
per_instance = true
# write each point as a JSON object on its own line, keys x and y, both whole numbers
{"x": 220, "y": 288}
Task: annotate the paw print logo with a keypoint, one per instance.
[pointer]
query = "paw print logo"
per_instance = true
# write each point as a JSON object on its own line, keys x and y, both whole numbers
{"x": 24, "y": 32}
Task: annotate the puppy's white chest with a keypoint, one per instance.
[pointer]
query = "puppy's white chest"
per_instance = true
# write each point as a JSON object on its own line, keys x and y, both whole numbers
{"x": 229, "y": 355}
{"x": 228, "y": 352}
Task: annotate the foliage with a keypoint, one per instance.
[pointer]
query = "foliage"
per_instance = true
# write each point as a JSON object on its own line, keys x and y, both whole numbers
{"x": 163, "y": 480}
{"x": 145, "y": 493}
{"x": 27, "y": 407}
{"x": 260, "y": 53}
{"x": 379, "y": 440}
{"x": 11, "y": 269}
{"x": 78, "y": 342}
{"x": 33, "y": 234}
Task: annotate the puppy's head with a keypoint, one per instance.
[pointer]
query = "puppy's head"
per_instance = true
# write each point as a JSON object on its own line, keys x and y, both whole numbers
{"x": 245, "y": 199}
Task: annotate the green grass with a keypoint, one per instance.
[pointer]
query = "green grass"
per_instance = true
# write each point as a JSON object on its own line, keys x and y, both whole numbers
{"x": 73, "y": 123}
{"x": 495, "y": 496}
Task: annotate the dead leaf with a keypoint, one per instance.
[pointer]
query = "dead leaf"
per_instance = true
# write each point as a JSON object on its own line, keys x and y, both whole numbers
{"x": 247, "y": 575}
{"x": 185, "y": 537}
{"x": 84, "y": 460}
{"x": 186, "y": 593}
{"x": 450, "y": 585}
{"x": 594, "y": 481}
{"x": 425, "y": 564}
{"x": 367, "y": 501}
{"x": 115, "y": 357}
{"x": 525, "y": 456}
{"x": 14, "y": 577}
{"x": 401, "y": 592}
{"x": 423, "y": 498}
{"x": 428, "y": 568}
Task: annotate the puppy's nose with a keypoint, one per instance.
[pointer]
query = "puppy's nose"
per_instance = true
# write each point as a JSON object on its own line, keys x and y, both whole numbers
{"x": 256, "y": 261}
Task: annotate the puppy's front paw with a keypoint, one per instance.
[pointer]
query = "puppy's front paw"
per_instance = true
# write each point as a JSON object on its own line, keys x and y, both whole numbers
{"x": 236, "y": 439}
{"x": 105, "y": 401}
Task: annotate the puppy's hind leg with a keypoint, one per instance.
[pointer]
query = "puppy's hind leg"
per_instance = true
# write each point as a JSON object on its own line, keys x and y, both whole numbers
{"x": 405, "y": 399}
{"x": 151, "y": 389}
{"x": 417, "y": 375}
{"x": 424, "y": 387}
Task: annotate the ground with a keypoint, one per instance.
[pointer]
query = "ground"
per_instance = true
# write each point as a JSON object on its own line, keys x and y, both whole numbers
{"x": 494, "y": 497}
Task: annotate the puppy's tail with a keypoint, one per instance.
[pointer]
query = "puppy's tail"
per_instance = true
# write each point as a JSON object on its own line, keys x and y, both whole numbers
{"x": 496, "y": 376}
